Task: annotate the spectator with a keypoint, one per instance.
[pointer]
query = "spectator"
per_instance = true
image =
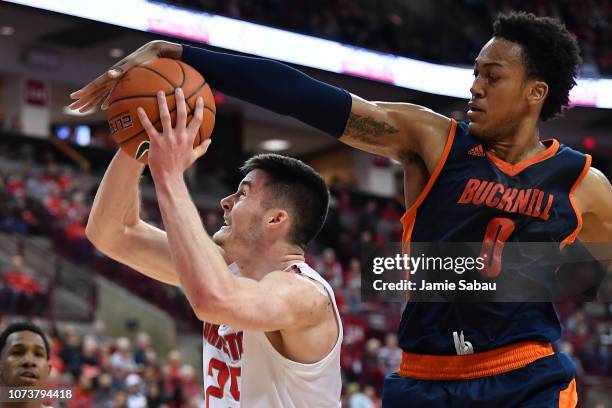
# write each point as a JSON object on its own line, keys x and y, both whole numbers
{"x": 358, "y": 399}
{"x": 143, "y": 344}
{"x": 390, "y": 356}
{"x": 82, "y": 394}
{"x": 135, "y": 397}
{"x": 121, "y": 360}
{"x": 71, "y": 353}
{"x": 103, "y": 393}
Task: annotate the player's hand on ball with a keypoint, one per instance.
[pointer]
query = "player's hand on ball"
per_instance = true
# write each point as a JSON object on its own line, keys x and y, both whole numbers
{"x": 101, "y": 88}
{"x": 171, "y": 152}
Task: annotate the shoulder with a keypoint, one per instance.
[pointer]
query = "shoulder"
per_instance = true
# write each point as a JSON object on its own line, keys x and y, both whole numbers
{"x": 300, "y": 290}
{"x": 594, "y": 192}
{"x": 593, "y": 199}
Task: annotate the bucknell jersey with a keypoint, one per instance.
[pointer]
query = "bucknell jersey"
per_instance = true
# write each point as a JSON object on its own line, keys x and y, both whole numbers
{"x": 243, "y": 369}
{"x": 470, "y": 195}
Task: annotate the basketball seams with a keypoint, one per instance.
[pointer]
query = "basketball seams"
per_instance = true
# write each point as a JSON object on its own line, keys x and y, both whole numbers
{"x": 163, "y": 76}
{"x": 180, "y": 65}
{"x": 172, "y": 111}
{"x": 125, "y": 98}
{"x": 184, "y": 76}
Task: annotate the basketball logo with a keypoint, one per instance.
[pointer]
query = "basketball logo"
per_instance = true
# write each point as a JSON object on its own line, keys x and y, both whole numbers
{"x": 142, "y": 149}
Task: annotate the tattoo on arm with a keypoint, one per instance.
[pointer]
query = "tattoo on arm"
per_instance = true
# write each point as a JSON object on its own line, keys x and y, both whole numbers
{"x": 366, "y": 129}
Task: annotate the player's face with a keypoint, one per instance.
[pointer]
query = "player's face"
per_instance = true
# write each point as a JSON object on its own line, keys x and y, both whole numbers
{"x": 24, "y": 360}
{"x": 499, "y": 91}
{"x": 243, "y": 214}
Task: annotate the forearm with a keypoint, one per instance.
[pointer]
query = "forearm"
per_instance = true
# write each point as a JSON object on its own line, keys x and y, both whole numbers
{"x": 274, "y": 86}
{"x": 202, "y": 271}
{"x": 117, "y": 203}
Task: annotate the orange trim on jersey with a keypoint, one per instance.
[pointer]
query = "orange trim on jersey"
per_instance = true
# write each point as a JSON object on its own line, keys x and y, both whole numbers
{"x": 493, "y": 362}
{"x": 572, "y": 237}
{"x": 568, "y": 398}
{"x": 514, "y": 169}
{"x": 410, "y": 215}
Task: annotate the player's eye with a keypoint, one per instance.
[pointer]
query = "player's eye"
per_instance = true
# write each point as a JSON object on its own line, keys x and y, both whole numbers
{"x": 492, "y": 78}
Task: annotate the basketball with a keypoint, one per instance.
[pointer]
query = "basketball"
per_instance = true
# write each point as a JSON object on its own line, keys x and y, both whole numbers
{"x": 139, "y": 86}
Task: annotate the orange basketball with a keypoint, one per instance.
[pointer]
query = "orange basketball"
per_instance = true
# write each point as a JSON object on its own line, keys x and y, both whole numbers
{"x": 139, "y": 86}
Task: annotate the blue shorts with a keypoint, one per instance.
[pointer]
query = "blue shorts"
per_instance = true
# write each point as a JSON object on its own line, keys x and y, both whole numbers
{"x": 545, "y": 383}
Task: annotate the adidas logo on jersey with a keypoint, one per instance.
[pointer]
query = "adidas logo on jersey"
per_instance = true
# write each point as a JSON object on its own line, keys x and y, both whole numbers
{"x": 477, "y": 151}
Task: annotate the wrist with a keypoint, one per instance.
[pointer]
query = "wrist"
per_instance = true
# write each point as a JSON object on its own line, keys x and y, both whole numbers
{"x": 166, "y": 182}
{"x": 167, "y": 49}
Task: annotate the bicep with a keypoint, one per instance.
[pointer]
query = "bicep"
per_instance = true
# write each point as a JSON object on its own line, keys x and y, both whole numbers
{"x": 393, "y": 129}
{"x": 280, "y": 301}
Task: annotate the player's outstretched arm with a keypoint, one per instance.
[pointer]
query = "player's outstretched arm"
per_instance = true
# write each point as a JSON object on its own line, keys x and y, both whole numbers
{"x": 115, "y": 226}
{"x": 390, "y": 129}
{"x": 396, "y": 130}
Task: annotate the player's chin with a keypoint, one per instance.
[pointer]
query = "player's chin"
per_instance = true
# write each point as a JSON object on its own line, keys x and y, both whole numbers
{"x": 477, "y": 129}
{"x": 219, "y": 237}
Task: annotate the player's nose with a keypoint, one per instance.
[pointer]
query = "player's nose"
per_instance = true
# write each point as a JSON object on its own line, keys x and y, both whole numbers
{"x": 476, "y": 89}
{"x": 226, "y": 203}
{"x": 29, "y": 360}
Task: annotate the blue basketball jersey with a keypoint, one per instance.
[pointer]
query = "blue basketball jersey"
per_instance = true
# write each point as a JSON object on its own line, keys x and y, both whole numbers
{"x": 472, "y": 195}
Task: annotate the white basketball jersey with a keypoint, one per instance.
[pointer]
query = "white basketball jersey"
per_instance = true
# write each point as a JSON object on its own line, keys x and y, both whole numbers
{"x": 245, "y": 370}
{"x": 222, "y": 361}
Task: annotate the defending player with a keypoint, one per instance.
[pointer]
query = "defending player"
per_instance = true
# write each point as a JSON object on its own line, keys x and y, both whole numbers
{"x": 279, "y": 311}
{"x": 522, "y": 76}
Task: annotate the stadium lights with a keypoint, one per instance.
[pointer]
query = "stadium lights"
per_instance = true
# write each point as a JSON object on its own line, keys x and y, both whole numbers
{"x": 67, "y": 111}
{"x": 7, "y": 30}
{"x": 294, "y": 48}
{"x": 116, "y": 53}
{"x": 275, "y": 145}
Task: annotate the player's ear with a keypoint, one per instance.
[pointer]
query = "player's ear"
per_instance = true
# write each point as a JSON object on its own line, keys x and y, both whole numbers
{"x": 537, "y": 92}
{"x": 277, "y": 217}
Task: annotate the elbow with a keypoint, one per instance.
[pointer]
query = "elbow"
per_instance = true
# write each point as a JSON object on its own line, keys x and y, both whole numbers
{"x": 92, "y": 232}
{"x": 208, "y": 305}
{"x": 104, "y": 240}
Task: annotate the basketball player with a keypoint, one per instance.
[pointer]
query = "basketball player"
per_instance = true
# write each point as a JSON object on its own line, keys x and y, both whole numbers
{"x": 455, "y": 354}
{"x": 24, "y": 361}
{"x": 272, "y": 335}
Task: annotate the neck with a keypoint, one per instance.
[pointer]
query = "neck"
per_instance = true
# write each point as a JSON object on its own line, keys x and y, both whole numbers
{"x": 278, "y": 257}
{"x": 521, "y": 143}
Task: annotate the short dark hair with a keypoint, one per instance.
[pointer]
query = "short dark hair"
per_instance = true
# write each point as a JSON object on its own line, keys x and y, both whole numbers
{"x": 550, "y": 53}
{"x": 296, "y": 186}
{"x": 22, "y": 326}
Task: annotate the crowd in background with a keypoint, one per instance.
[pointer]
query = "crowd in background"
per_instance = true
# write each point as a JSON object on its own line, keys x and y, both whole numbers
{"x": 107, "y": 372}
{"x": 51, "y": 200}
{"x": 457, "y": 28}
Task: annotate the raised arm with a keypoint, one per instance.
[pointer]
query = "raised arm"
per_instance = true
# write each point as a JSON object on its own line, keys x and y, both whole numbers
{"x": 395, "y": 130}
{"x": 115, "y": 227}
{"x": 216, "y": 295}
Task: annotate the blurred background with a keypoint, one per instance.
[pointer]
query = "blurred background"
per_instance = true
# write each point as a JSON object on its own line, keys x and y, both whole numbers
{"x": 117, "y": 335}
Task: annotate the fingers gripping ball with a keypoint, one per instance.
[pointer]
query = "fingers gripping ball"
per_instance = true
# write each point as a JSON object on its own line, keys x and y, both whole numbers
{"x": 139, "y": 86}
